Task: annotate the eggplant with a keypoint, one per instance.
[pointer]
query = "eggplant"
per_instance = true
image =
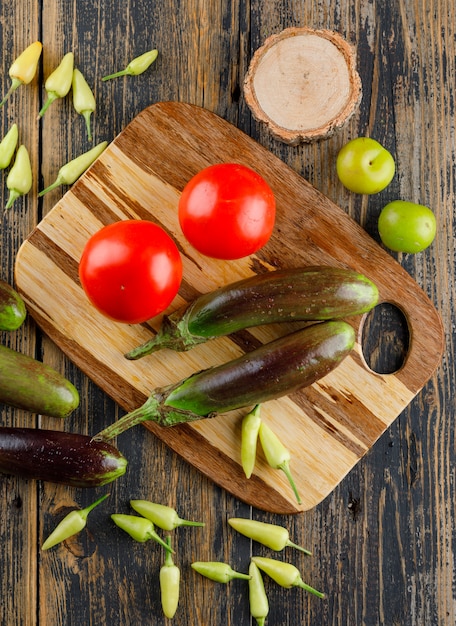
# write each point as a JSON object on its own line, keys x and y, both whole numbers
{"x": 28, "y": 384}
{"x": 273, "y": 370}
{"x": 12, "y": 308}
{"x": 59, "y": 457}
{"x": 300, "y": 294}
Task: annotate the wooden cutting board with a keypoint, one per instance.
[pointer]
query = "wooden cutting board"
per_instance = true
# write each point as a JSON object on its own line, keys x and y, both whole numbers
{"x": 327, "y": 427}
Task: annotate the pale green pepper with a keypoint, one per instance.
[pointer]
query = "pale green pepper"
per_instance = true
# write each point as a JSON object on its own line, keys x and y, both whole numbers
{"x": 139, "y": 528}
{"x": 270, "y": 535}
{"x": 249, "y": 438}
{"x": 218, "y": 571}
{"x": 58, "y": 83}
{"x": 258, "y": 600}
{"x": 136, "y": 66}
{"x": 71, "y": 171}
{"x": 284, "y": 574}
{"x": 8, "y": 146}
{"x": 24, "y": 68}
{"x": 163, "y": 516}
{"x": 71, "y": 524}
{"x": 277, "y": 455}
{"x": 169, "y": 584}
{"x": 83, "y": 99}
{"x": 19, "y": 179}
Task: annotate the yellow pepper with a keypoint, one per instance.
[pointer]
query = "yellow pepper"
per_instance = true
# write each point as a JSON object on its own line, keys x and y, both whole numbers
{"x": 258, "y": 600}
{"x": 249, "y": 436}
{"x": 277, "y": 455}
{"x": 284, "y": 574}
{"x": 218, "y": 571}
{"x": 71, "y": 171}
{"x": 139, "y": 528}
{"x": 136, "y": 66}
{"x": 19, "y": 180}
{"x": 271, "y": 535}
{"x": 8, "y": 146}
{"x": 169, "y": 578}
{"x": 24, "y": 68}
{"x": 71, "y": 524}
{"x": 83, "y": 99}
{"x": 163, "y": 516}
{"x": 58, "y": 83}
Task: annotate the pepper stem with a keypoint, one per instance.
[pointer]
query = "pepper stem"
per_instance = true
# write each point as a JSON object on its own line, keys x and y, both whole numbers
{"x": 186, "y": 522}
{"x": 86, "y": 115}
{"x": 285, "y": 467}
{"x": 303, "y": 585}
{"x": 241, "y": 576}
{"x": 294, "y": 545}
{"x": 169, "y": 552}
{"x": 55, "y": 184}
{"x": 164, "y": 544}
{"x": 14, "y": 195}
{"x": 85, "y": 512}
{"x": 115, "y": 75}
{"x": 16, "y": 82}
{"x": 51, "y": 97}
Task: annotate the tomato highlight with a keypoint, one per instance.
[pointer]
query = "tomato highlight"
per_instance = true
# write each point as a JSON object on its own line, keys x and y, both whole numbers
{"x": 130, "y": 270}
{"x": 227, "y": 211}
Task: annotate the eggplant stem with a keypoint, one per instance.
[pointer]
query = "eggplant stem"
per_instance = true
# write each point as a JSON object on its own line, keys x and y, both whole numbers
{"x": 149, "y": 411}
{"x": 173, "y": 334}
{"x": 153, "y": 410}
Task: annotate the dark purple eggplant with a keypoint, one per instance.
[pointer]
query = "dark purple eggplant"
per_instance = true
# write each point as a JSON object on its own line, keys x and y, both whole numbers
{"x": 59, "y": 457}
{"x": 273, "y": 370}
{"x": 300, "y": 294}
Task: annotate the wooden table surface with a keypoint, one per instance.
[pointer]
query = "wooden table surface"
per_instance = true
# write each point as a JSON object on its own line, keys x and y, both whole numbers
{"x": 383, "y": 542}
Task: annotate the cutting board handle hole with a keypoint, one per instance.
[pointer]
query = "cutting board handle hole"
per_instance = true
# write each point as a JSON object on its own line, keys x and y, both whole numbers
{"x": 385, "y": 338}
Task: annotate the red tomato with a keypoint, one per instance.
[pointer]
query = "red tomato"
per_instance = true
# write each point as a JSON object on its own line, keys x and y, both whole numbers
{"x": 227, "y": 211}
{"x": 131, "y": 270}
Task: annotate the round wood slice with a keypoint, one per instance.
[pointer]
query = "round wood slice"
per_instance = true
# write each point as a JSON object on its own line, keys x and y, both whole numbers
{"x": 303, "y": 84}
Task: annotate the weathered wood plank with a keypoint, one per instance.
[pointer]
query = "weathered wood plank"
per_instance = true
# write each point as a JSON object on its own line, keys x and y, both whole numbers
{"x": 18, "y": 530}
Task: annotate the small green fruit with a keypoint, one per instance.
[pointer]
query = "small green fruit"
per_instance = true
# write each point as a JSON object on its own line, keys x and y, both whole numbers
{"x": 406, "y": 226}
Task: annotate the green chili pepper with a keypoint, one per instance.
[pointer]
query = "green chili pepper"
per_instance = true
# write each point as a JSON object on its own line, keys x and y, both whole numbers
{"x": 23, "y": 68}
{"x": 71, "y": 524}
{"x": 259, "y": 605}
{"x": 169, "y": 584}
{"x": 249, "y": 438}
{"x": 277, "y": 455}
{"x": 220, "y": 572}
{"x": 140, "y": 528}
{"x": 136, "y": 66}
{"x": 161, "y": 515}
{"x": 270, "y": 535}
{"x": 71, "y": 171}
{"x": 8, "y": 146}
{"x": 284, "y": 574}
{"x": 83, "y": 99}
{"x": 19, "y": 180}
{"x": 58, "y": 83}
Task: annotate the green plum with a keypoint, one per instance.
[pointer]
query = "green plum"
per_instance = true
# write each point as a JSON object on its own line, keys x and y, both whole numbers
{"x": 365, "y": 166}
{"x": 406, "y": 226}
